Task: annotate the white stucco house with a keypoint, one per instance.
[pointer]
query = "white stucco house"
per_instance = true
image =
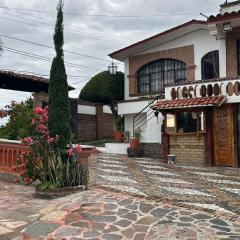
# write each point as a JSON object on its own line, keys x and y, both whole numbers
{"x": 193, "y": 51}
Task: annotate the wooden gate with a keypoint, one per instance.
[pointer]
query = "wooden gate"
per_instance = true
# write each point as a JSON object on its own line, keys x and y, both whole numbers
{"x": 223, "y": 135}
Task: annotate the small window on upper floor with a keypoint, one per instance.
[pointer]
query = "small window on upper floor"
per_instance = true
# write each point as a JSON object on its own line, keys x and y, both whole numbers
{"x": 210, "y": 65}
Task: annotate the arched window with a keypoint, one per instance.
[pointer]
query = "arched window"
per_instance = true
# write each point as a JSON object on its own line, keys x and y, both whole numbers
{"x": 210, "y": 65}
{"x": 155, "y": 75}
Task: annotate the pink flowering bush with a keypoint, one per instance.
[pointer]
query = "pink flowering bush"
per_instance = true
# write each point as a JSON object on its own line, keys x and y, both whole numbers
{"x": 46, "y": 161}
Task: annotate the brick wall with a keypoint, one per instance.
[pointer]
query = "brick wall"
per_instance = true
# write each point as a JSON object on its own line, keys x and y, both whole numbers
{"x": 87, "y": 127}
{"x": 184, "y": 54}
{"x": 231, "y": 45}
{"x": 93, "y": 127}
{"x": 189, "y": 149}
{"x": 107, "y": 126}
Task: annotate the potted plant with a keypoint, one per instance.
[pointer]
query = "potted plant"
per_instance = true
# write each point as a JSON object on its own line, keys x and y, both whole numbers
{"x": 135, "y": 142}
{"x": 119, "y": 127}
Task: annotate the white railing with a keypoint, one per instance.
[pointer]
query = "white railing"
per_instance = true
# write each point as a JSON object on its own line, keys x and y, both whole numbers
{"x": 228, "y": 88}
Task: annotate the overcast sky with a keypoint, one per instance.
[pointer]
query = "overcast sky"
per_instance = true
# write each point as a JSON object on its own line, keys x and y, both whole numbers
{"x": 92, "y": 27}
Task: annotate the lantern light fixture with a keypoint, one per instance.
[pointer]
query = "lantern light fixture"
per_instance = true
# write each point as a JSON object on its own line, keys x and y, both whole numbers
{"x": 112, "y": 68}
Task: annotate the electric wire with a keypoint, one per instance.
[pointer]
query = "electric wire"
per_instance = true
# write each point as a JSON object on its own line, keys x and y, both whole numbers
{"x": 47, "y": 46}
{"x": 24, "y": 53}
{"x": 67, "y": 28}
{"x": 104, "y": 15}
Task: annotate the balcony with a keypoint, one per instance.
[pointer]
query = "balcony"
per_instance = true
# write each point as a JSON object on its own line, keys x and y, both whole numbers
{"x": 230, "y": 88}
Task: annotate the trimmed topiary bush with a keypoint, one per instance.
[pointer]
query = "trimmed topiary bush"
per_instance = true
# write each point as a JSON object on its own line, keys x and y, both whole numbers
{"x": 105, "y": 88}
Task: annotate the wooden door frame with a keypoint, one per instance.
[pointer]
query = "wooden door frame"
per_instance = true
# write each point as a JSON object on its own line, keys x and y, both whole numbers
{"x": 236, "y": 137}
{"x": 231, "y": 108}
{"x": 209, "y": 158}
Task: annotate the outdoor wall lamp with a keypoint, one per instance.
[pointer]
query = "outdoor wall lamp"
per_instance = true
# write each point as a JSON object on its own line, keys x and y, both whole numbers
{"x": 112, "y": 68}
{"x": 227, "y": 27}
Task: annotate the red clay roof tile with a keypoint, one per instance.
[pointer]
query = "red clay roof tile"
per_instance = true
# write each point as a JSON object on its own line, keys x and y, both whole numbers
{"x": 189, "y": 103}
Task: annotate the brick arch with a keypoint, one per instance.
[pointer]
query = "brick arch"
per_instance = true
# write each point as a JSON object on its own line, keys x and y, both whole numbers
{"x": 183, "y": 54}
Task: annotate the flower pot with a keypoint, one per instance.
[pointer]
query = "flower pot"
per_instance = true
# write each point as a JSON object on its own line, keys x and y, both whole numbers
{"x": 118, "y": 136}
{"x": 134, "y": 143}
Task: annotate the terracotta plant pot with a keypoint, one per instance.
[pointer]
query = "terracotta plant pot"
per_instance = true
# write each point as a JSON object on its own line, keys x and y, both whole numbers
{"x": 134, "y": 143}
{"x": 118, "y": 136}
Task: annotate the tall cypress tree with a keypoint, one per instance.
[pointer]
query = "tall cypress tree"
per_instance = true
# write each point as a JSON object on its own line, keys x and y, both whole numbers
{"x": 59, "y": 111}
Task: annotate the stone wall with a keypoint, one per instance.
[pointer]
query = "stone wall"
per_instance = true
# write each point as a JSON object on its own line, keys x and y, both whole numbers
{"x": 40, "y": 99}
{"x": 189, "y": 149}
{"x": 152, "y": 150}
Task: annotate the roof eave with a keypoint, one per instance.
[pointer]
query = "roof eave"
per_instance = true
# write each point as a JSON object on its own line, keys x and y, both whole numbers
{"x": 116, "y": 54}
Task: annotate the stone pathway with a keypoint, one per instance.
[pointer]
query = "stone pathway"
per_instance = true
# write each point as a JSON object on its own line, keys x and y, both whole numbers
{"x": 100, "y": 214}
{"x": 129, "y": 199}
{"x": 211, "y": 189}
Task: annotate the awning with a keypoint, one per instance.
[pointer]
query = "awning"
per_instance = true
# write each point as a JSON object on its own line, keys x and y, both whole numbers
{"x": 198, "y": 102}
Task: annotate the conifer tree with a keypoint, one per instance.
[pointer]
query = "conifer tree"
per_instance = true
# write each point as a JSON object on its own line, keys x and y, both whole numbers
{"x": 59, "y": 110}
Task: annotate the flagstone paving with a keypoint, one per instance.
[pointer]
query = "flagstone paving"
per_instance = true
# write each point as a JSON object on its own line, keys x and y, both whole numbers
{"x": 100, "y": 214}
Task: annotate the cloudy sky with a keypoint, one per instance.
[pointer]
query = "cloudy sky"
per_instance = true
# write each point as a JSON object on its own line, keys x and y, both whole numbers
{"x": 93, "y": 29}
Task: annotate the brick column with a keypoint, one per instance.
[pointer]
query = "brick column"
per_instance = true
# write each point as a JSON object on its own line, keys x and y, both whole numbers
{"x": 39, "y": 98}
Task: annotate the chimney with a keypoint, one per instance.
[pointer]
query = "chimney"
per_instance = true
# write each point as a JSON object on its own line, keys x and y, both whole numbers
{"x": 228, "y": 7}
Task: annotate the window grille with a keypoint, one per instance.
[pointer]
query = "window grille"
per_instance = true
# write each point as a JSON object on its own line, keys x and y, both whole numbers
{"x": 155, "y": 75}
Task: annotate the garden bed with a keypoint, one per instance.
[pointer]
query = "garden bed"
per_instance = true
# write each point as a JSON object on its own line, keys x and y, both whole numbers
{"x": 57, "y": 193}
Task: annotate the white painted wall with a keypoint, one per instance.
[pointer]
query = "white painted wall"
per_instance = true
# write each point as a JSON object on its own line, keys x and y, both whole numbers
{"x": 151, "y": 130}
{"x": 153, "y": 133}
{"x": 131, "y": 107}
{"x": 230, "y": 9}
{"x": 128, "y": 123}
{"x": 203, "y": 43}
{"x": 83, "y": 109}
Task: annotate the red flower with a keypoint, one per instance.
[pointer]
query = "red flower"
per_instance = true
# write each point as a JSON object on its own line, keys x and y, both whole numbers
{"x": 43, "y": 129}
{"x": 39, "y": 110}
{"x": 21, "y": 173}
{"x": 27, "y": 140}
{"x": 27, "y": 180}
{"x": 70, "y": 152}
{"x": 50, "y": 139}
{"x": 78, "y": 148}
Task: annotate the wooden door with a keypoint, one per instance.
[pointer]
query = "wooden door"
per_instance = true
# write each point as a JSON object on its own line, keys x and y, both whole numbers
{"x": 223, "y": 135}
